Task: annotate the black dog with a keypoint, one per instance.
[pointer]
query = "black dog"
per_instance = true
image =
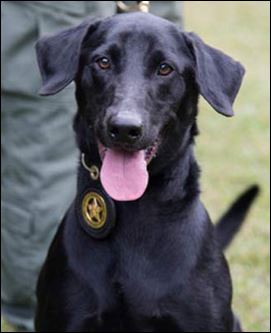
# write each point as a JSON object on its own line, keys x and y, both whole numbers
{"x": 160, "y": 267}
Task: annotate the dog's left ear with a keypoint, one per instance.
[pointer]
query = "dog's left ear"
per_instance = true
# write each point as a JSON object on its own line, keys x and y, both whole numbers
{"x": 218, "y": 76}
{"x": 58, "y": 56}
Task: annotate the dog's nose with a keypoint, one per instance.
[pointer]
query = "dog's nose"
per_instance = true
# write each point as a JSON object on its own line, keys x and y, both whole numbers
{"x": 125, "y": 129}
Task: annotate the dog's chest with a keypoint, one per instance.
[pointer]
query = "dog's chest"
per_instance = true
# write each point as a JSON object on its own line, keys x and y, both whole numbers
{"x": 143, "y": 278}
{"x": 140, "y": 269}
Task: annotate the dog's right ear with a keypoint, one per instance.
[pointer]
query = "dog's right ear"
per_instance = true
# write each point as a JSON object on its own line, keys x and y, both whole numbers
{"x": 58, "y": 56}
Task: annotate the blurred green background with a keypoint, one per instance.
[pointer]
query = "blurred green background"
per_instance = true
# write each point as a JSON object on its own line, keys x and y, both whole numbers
{"x": 234, "y": 152}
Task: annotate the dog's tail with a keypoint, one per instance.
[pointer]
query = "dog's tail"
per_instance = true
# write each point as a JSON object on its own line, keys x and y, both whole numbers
{"x": 230, "y": 223}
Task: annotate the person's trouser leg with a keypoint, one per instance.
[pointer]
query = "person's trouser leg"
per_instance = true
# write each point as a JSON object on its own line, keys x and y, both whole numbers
{"x": 38, "y": 183}
{"x": 39, "y": 160}
{"x": 170, "y": 10}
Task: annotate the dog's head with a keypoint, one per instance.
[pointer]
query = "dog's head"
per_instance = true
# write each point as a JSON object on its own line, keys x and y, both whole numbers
{"x": 138, "y": 78}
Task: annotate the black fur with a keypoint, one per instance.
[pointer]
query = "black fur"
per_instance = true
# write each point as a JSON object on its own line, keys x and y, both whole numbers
{"x": 162, "y": 269}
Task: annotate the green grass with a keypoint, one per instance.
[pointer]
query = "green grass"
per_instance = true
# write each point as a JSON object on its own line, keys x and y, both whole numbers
{"x": 5, "y": 327}
{"x": 234, "y": 153}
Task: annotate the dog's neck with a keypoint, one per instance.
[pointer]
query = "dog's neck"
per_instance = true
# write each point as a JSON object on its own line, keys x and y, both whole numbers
{"x": 177, "y": 182}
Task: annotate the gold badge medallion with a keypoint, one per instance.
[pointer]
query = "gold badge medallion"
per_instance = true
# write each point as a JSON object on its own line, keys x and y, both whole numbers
{"x": 94, "y": 210}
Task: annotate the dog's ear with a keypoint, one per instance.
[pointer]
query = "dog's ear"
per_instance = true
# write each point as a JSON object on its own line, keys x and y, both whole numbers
{"x": 218, "y": 76}
{"x": 58, "y": 56}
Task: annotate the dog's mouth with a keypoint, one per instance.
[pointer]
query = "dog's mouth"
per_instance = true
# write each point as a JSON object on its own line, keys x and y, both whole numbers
{"x": 124, "y": 174}
{"x": 149, "y": 152}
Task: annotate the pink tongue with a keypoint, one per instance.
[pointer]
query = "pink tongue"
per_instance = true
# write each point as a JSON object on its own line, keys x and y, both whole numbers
{"x": 124, "y": 175}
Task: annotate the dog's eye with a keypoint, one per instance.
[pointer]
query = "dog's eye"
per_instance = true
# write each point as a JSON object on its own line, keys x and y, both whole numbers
{"x": 164, "y": 69}
{"x": 104, "y": 63}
